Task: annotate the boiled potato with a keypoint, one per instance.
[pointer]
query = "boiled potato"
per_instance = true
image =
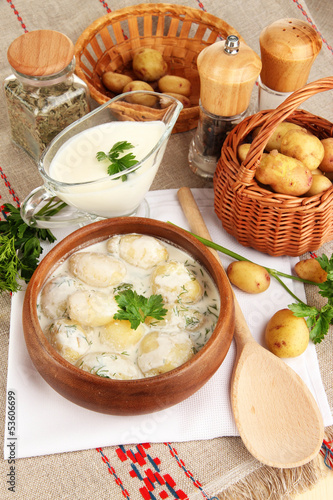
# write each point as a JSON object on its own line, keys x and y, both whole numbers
{"x": 115, "y": 81}
{"x": 161, "y": 352}
{"x": 249, "y": 277}
{"x": 320, "y": 183}
{"x": 286, "y": 335}
{"x": 310, "y": 269}
{"x": 96, "y": 269}
{"x": 54, "y": 295}
{"x": 174, "y": 84}
{"x": 109, "y": 365}
{"x": 143, "y": 99}
{"x": 119, "y": 335}
{"x": 68, "y": 338}
{"x": 274, "y": 141}
{"x": 284, "y": 174}
{"x": 326, "y": 164}
{"x": 149, "y": 64}
{"x": 91, "y": 308}
{"x": 182, "y": 98}
{"x": 179, "y": 316}
{"x": 303, "y": 146}
{"x": 176, "y": 283}
{"x": 139, "y": 250}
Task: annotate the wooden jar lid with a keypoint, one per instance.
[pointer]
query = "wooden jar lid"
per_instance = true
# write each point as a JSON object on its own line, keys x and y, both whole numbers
{"x": 226, "y": 79}
{"x": 40, "y": 53}
{"x": 288, "y": 48}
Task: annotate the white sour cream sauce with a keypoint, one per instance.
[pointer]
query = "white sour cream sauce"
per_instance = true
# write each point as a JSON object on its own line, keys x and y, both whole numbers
{"x": 207, "y": 309}
{"x": 75, "y": 164}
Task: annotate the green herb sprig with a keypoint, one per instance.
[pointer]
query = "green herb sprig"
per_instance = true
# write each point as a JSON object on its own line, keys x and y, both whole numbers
{"x": 20, "y": 246}
{"x": 136, "y": 308}
{"x": 117, "y": 163}
{"x": 318, "y": 320}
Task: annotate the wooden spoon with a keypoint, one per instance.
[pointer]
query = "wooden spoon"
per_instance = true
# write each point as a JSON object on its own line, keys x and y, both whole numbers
{"x": 275, "y": 413}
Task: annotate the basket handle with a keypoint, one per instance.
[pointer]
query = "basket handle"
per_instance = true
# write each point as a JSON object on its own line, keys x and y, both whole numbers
{"x": 247, "y": 169}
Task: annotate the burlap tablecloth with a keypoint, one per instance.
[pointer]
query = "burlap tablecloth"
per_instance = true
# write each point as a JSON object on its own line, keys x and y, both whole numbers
{"x": 222, "y": 467}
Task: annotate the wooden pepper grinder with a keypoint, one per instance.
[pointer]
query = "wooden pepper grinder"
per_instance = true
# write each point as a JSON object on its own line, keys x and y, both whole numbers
{"x": 288, "y": 49}
{"x": 227, "y": 70}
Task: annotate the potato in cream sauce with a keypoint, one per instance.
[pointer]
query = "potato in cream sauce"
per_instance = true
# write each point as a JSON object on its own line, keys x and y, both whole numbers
{"x": 77, "y": 304}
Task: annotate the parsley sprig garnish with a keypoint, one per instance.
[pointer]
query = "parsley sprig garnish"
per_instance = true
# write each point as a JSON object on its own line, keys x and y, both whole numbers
{"x": 318, "y": 320}
{"x": 136, "y": 308}
{"x": 117, "y": 163}
{"x": 20, "y": 246}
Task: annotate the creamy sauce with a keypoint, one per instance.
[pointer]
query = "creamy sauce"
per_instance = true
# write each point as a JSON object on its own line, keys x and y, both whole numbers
{"x": 188, "y": 325}
{"x": 88, "y": 185}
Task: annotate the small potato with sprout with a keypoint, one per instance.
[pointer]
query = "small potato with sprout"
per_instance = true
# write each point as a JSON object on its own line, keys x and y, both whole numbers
{"x": 248, "y": 276}
{"x": 310, "y": 269}
{"x": 286, "y": 335}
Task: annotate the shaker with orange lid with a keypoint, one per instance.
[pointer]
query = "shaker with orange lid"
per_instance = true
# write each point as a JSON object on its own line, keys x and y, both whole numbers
{"x": 43, "y": 95}
{"x": 227, "y": 70}
{"x": 288, "y": 49}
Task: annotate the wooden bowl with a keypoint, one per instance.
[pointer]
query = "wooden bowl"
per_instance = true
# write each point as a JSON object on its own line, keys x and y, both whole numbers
{"x": 127, "y": 397}
{"x": 178, "y": 32}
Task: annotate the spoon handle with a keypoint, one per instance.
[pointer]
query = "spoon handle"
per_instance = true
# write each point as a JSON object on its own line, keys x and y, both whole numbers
{"x": 198, "y": 226}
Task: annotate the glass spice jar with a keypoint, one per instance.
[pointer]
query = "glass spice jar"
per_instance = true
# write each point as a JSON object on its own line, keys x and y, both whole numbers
{"x": 43, "y": 94}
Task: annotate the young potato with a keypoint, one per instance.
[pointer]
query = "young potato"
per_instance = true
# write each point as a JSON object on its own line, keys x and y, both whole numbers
{"x": 303, "y": 146}
{"x": 274, "y": 142}
{"x": 149, "y": 64}
{"x": 310, "y": 269}
{"x": 286, "y": 335}
{"x": 242, "y": 151}
{"x": 327, "y": 161}
{"x": 284, "y": 174}
{"x": 174, "y": 84}
{"x": 115, "y": 81}
{"x": 320, "y": 183}
{"x": 144, "y": 100}
{"x": 249, "y": 277}
{"x": 182, "y": 98}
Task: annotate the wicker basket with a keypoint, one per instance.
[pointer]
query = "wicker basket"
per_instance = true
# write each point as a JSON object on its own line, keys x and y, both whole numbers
{"x": 178, "y": 32}
{"x": 272, "y": 223}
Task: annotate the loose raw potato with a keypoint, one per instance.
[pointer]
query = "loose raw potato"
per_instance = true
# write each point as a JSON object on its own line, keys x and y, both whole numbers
{"x": 149, "y": 64}
{"x": 115, "y": 81}
{"x": 320, "y": 183}
{"x": 310, "y": 269}
{"x": 317, "y": 171}
{"x": 144, "y": 100}
{"x": 182, "y": 98}
{"x": 303, "y": 146}
{"x": 274, "y": 142}
{"x": 284, "y": 174}
{"x": 174, "y": 84}
{"x": 286, "y": 335}
{"x": 327, "y": 161}
{"x": 249, "y": 277}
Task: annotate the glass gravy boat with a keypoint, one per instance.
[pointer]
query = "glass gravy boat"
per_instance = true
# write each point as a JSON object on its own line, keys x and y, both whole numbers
{"x": 72, "y": 173}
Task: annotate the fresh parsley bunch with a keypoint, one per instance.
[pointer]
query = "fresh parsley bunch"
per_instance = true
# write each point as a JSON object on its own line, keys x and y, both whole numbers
{"x": 20, "y": 246}
{"x": 117, "y": 163}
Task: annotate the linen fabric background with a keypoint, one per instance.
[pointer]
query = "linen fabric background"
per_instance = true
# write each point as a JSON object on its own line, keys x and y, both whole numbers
{"x": 222, "y": 467}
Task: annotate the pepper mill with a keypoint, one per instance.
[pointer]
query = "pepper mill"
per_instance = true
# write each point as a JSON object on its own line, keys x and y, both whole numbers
{"x": 288, "y": 49}
{"x": 227, "y": 71}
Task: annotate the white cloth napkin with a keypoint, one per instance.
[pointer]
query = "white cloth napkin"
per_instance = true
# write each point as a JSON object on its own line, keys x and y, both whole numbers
{"x": 47, "y": 423}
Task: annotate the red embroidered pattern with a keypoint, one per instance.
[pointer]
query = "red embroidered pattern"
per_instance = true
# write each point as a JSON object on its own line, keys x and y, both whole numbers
{"x": 10, "y": 189}
{"x": 18, "y": 15}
